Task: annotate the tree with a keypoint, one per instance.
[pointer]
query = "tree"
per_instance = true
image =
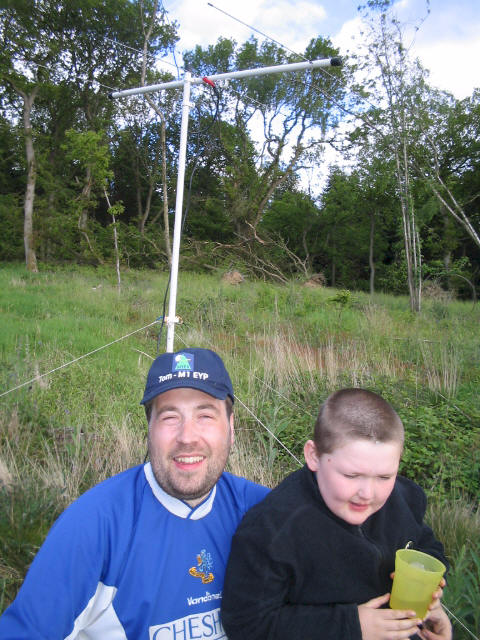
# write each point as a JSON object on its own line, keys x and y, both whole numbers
{"x": 293, "y": 218}
{"x": 90, "y": 156}
{"x": 344, "y": 232}
{"x": 86, "y": 47}
{"x": 150, "y": 31}
{"x": 397, "y": 85}
{"x": 144, "y": 152}
{"x": 294, "y": 113}
{"x": 11, "y": 185}
{"x": 376, "y": 202}
{"x": 449, "y": 157}
{"x": 23, "y": 53}
{"x": 377, "y": 196}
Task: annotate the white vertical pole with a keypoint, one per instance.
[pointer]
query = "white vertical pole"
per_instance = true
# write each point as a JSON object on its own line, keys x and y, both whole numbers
{"x": 178, "y": 213}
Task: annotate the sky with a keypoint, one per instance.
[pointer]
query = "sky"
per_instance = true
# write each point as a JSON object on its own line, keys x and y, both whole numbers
{"x": 447, "y": 43}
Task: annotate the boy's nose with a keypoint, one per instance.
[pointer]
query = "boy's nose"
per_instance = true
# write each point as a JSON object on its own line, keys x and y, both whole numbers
{"x": 365, "y": 490}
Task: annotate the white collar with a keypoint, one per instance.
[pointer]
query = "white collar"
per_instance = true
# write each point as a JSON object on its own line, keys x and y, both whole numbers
{"x": 176, "y": 506}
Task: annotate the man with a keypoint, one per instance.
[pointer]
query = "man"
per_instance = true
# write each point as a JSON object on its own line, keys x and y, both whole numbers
{"x": 143, "y": 554}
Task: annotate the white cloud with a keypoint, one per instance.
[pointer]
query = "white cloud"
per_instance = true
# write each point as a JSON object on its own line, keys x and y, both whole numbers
{"x": 447, "y": 43}
{"x": 453, "y": 65}
{"x": 450, "y": 57}
{"x": 293, "y": 24}
{"x": 349, "y": 38}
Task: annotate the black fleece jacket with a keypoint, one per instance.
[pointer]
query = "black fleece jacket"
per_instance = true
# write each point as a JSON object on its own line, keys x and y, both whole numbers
{"x": 297, "y": 571}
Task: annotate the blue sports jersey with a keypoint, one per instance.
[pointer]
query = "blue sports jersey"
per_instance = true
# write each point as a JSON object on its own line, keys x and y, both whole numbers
{"x": 127, "y": 560}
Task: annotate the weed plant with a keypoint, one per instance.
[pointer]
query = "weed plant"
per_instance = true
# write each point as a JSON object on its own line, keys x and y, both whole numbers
{"x": 287, "y": 347}
{"x": 457, "y": 524}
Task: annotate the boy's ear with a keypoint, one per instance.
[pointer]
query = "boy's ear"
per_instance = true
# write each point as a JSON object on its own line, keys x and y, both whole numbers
{"x": 311, "y": 456}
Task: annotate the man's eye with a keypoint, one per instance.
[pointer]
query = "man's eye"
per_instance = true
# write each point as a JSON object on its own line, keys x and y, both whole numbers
{"x": 169, "y": 417}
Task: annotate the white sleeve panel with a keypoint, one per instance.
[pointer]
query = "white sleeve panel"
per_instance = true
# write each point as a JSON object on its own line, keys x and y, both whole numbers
{"x": 98, "y": 620}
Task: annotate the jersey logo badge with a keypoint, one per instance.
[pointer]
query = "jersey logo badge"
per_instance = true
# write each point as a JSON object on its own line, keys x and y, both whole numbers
{"x": 183, "y": 362}
{"x": 203, "y": 568}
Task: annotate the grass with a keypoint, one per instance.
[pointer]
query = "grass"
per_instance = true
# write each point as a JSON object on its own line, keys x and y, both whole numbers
{"x": 287, "y": 347}
{"x": 459, "y": 524}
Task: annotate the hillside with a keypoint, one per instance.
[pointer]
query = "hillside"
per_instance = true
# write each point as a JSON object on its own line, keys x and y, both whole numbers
{"x": 286, "y": 346}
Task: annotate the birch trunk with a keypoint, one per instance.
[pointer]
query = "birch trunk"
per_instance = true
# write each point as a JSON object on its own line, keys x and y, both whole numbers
{"x": 30, "y": 255}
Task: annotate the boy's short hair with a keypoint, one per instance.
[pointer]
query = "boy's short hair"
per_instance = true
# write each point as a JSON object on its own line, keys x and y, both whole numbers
{"x": 351, "y": 414}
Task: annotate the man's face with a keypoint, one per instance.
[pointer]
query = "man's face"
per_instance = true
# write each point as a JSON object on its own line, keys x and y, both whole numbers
{"x": 189, "y": 439}
{"x": 356, "y": 479}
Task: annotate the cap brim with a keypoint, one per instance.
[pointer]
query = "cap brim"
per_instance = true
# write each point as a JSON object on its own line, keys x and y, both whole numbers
{"x": 220, "y": 392}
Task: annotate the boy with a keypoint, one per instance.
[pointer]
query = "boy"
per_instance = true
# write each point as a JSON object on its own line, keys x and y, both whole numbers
{"x": 314, "y": 558}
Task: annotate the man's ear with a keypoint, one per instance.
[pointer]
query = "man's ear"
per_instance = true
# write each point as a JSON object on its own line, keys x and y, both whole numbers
{"x": 311, "y": 455}
{"x": 232, "y": 430}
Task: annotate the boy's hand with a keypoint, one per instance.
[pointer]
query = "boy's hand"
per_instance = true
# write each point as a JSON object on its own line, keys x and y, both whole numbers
{"x": 387, "y": 624}
{"x": 436, "y": 625}
{"x": 437, "y": 596}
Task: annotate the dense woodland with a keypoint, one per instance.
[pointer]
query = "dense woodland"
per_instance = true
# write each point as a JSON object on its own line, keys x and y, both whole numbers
{"x": 400, "y": 212}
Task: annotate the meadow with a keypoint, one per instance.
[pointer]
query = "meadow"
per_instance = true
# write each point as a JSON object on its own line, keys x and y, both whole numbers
{"x": 286, "y": 346}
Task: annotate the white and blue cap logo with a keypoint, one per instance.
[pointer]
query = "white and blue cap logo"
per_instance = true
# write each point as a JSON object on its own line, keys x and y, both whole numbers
{"x": 195, "y": 368}
{"x": 183, "y": 362}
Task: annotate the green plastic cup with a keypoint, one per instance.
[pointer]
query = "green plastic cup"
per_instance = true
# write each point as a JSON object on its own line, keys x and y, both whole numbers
{"x": 417, "y": 576}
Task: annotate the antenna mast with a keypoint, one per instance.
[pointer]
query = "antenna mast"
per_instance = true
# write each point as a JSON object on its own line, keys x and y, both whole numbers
{"x": 186, "y": 83}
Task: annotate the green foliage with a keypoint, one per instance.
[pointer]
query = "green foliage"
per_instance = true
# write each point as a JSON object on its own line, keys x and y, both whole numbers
{"x": 59, "y": 53}
{"x": 88, "y": 149}
{"x": 11, "y": 223}
{"x": 248, "y": 178}
{"x": 26, "y": 515}
{"x": 462, "y": 595}
{"x": 116, "y": 210}
{"x": 245, "y": 202}
{"x": 343, "y": 298}
{"x": 287, "y": 348}
{"x": 290, "y": 426}
{"x": 394, "y": 277}
{"x": 436, "y": 438}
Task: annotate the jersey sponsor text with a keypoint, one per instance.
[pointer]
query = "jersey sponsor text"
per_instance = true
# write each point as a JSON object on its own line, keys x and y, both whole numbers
{"x": 194, "y": 627}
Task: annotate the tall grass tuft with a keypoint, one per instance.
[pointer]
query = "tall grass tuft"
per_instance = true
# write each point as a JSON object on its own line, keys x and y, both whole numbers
{"x": 457, "y": 524}
{"x": 39, "y": 478}
{"x": 462, "y": 594}
{"x": 442, "y": 368}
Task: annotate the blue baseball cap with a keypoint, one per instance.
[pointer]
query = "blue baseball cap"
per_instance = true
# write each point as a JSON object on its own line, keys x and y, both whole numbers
{"x": 195, "y": 368}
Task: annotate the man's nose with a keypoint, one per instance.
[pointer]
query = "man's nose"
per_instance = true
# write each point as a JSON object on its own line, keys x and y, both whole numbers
{"x": 187, "y": 431}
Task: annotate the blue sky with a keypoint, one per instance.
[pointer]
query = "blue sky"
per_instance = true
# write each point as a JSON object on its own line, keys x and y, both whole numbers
{"x": 448, "y": 42}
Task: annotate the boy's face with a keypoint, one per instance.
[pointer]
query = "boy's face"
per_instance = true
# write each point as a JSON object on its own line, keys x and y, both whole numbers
{"x": 357, "y": 478}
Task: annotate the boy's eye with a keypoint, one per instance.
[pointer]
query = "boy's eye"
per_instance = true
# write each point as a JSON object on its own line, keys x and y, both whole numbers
{"x": 350, "y": 475}
{"x": 385, "y": 477}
